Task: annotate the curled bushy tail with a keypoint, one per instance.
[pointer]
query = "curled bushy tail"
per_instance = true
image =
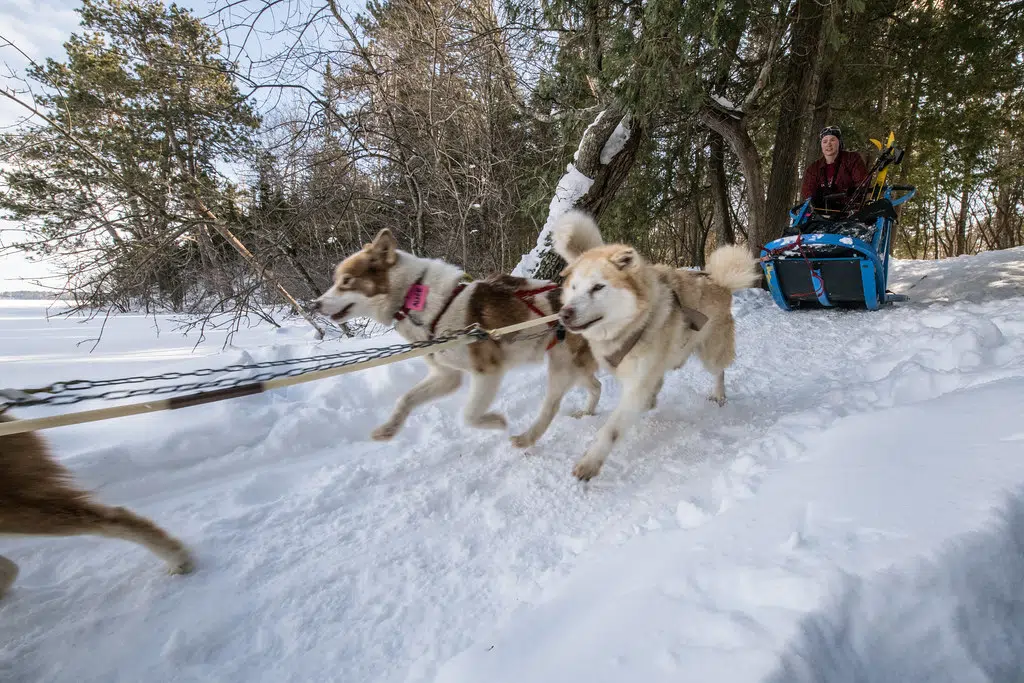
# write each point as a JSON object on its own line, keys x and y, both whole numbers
{"x": 574, "y": 233}
{"x": 732, "y": 267}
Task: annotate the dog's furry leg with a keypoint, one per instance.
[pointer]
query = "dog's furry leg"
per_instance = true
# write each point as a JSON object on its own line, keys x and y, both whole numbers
{"x": 593, "y": 386}
{"x": 483, "y": 388}
{"x": 634, "y": 402}
{"x": 559, "y": 381}
{"x": 652, "y": 402}
{"x": 718, "y": 396}
{"x": 440, "y": 381}
{"x": 8, "y": 573}
{"x": 79, "y": 517}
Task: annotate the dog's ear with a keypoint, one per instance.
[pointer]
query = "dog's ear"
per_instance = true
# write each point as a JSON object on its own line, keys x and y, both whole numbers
{"x": 383, "y": 247}
{"x": 624, "y": 258}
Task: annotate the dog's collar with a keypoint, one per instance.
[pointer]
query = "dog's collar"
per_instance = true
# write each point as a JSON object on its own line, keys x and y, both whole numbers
{"x": 414, "y": 291}
{"x": 616, "y": 358}
{"x": 695, "y": 318}
{"x": 403, "y": 312}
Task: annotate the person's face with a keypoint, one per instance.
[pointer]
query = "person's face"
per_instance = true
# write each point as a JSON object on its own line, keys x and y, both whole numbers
{"x": 830, "y": 145}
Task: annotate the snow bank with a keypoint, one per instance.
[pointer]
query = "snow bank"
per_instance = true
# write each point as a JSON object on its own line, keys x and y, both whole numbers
{"x": 842, "y": 525}
{"x": 825, "y": 497}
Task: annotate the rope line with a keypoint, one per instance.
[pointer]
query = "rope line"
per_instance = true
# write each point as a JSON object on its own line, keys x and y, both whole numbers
{"x": 297, "y": 371}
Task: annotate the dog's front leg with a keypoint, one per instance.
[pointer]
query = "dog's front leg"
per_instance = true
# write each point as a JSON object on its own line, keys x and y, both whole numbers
{"x": 440, "y": 381}
{"x": 635, "y": 400}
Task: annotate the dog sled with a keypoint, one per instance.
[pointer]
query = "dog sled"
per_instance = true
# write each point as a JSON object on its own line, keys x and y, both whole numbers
{"x": 838, "y": 256}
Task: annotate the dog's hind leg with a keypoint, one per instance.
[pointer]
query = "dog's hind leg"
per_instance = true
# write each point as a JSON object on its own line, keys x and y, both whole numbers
{"x": 8, "y": 573}
{"x": 440, "y": 381}
{"x": 483, "y": 388}
{"x": 593, "y": 386}
{"x": 718, "y": 352}
{"x": 559, "y": 381}
{"x": 77, "y": 517}
{"x": 652, "y": 402}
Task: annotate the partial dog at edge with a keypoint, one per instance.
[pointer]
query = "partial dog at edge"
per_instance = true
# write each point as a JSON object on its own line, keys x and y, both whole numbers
{"x": 643, "y": 320}
{"x": 423, "y": 297}
{"x": 37, "y": 499}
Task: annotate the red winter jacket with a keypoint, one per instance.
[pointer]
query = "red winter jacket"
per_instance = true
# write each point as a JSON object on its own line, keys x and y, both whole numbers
{"x": 848, "y": 171}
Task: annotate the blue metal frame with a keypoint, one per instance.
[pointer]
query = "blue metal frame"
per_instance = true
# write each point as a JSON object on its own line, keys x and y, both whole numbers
{"x": 874, "y": 257}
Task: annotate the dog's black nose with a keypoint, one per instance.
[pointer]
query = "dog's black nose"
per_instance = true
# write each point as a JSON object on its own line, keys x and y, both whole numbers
{"x": 314, "y": 305}
{"x": 567, "y": 314}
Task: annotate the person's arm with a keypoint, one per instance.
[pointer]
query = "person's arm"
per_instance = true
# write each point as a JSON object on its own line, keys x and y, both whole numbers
{"x": 807, "y": 188}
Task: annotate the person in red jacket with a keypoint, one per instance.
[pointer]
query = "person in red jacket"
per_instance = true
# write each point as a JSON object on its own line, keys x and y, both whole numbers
{"x": 838, "y": 170}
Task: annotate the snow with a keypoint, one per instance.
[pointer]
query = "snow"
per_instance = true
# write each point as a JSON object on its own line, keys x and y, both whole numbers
{"x": 616, "y": 141}
{"x": 723, "y": 102}
{"x": 727, "y": 106}
{"x": 855, "y": 512}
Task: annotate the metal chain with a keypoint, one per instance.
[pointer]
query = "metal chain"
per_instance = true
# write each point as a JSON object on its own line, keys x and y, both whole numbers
{"x": 65, "y": 393}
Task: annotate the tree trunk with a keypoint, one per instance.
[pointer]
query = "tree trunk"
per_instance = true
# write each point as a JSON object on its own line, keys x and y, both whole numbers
{"x": 216, "y": 274}
{"x": 820, "y": 110}
{"x": 960, "y": 239}
{"x": 734, "y": 131}
{"x": 724, "y": 233}
{"x": 804, "y": 54}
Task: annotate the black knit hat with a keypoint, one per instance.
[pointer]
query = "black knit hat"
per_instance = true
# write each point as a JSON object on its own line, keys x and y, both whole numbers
{"x": 830, "y": 130}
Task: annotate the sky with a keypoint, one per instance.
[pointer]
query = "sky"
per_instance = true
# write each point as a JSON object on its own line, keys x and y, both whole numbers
{"x": 39, "y": 28}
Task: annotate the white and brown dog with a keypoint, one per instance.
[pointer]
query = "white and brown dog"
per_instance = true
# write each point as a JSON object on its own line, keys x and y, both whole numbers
{"x": 37, "y": 498}
{"x": 643, "y": 320}
{"x": 423, "y": 297}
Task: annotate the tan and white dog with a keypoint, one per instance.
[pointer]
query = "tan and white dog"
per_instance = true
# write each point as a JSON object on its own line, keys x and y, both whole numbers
{"x": 643, "y": 319}
{"x": 423, "y": 297}
{"x": 36, "y": 498}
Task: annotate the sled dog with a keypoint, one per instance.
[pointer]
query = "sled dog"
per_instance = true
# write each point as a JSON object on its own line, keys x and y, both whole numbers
{"x": 424, "y": 297}
{"x": 643, "y": 319}
{"x": 38, "y": 499}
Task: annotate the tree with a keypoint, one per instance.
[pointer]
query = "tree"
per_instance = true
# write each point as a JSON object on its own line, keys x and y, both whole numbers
{"x": 120, "y": 173}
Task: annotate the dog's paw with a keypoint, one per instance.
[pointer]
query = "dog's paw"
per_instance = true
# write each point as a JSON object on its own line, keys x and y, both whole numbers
{"x": 524, "y": 440}
{"x": 8, "y": 573}
{"x": 491, "y": 421}
{"x": 720, "y": 400}
{"x": 586, "y": 469}
{"x": 183, "y": 564}
{"x": 385, "y": 432}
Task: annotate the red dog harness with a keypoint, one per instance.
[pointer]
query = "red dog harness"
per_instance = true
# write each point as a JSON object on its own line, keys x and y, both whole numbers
{"x": 416, "y": 300}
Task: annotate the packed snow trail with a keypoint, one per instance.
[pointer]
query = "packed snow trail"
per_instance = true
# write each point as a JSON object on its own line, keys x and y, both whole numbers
{"x": 326, "y": 556}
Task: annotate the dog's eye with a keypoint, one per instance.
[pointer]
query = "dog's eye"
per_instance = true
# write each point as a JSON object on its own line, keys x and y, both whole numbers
{"x": 596, "y": 288}
{"x": 345, "y": 281}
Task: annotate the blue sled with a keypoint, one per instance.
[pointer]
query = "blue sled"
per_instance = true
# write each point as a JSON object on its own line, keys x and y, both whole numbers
{"x": 835, "y": 263}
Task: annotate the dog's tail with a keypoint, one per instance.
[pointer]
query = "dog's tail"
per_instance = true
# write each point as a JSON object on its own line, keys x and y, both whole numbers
{"x": 574, "y": 233}
{"x": 732, "y": 267}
